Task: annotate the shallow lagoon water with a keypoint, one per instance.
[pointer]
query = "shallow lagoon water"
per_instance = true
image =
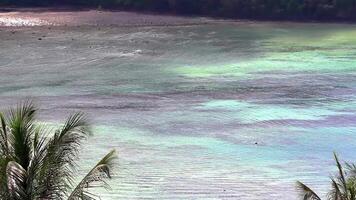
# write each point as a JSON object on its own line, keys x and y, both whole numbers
{"x": 214, "y": 111}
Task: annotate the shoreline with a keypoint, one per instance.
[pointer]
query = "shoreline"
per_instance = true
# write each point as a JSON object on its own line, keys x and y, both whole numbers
{"x": 86, "y": 16}
{"x": 22, "y": 17}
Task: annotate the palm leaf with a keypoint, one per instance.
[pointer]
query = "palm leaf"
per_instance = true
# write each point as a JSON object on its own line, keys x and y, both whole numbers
{"x": 21, "y": 129}
{"x": 352, "y": 193}
{"x": 3, "y": 178}
{"x": 39, "y": 152}
{"x": 58, "y": 163}
{"x": 335, "y": 193}
{"x": 351, "y": 170}
{"x": 16, "y": 181}
{"x": 341, "y": 175}
{"x": 38, "y": 164}
{"x": 306, "y": 193}
{"x": 3, "y": 137}
{"x": 95, "y": 178}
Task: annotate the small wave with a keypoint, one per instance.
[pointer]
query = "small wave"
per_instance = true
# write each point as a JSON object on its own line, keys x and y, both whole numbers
{"x": 125, "y": 54}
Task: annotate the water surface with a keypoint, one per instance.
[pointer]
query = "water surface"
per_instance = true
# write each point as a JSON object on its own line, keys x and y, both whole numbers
{"x": 211, "y": 111}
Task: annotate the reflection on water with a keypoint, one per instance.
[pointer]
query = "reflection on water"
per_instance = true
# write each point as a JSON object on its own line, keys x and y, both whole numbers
{"x": 19, "y": 21}
{"x": 217, "y": 111}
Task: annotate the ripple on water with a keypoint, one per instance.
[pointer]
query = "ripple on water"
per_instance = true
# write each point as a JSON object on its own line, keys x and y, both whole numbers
{"x": 238, "y": 114}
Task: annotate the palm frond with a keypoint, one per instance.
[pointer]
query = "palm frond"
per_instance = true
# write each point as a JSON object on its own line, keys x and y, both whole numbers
{"x": 3, "y": 177}
{"x": 4, "y": 142}
{"x": 351, "y": 170}
{"x": 306, "y": 193}
{"x": 40, "y": 142}
{"x": 21, "y": 129}
{"x": 352, "y": 193}
{"x": 36, "y": 163}
{"x": 58, "y": 165}
{"x": 95, "y": 178}
{"x": 335, "y": 193}
{"x": 66, "y": 141}
{"x": 16, "y": 181}
{"x": 341, "y": 176}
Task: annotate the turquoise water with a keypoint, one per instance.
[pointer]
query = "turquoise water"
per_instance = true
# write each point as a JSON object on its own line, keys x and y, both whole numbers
{"x": 215, "y": 111}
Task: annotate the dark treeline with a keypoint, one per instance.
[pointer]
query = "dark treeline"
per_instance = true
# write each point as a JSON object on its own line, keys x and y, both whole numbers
{"x": 252, "y": 9}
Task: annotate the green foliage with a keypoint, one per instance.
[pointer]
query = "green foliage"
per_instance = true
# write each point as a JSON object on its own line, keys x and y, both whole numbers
{"x": 36, "y": 163}
{"x": 264, "y": 9}
{"x": 343, "y": 185}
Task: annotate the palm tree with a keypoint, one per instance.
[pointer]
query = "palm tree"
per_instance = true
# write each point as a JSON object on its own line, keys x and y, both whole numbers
{"x": 343, "y": 185}
{"x": 37, "y": 163}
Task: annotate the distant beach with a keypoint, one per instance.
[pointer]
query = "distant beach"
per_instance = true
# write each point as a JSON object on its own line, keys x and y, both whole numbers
{"x": 43, "y": 17}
